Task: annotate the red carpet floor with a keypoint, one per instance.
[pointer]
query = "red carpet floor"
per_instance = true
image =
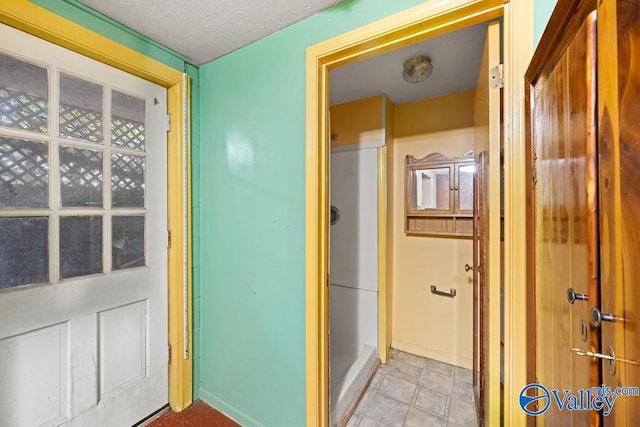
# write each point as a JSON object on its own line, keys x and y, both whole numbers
{"x": 197, "y": 415}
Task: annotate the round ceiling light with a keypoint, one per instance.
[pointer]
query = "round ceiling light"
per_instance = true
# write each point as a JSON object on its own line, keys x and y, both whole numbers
{"x": 417, "y": 69}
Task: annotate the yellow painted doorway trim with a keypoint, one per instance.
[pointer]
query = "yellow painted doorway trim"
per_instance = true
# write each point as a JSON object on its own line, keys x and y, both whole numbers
{"x": 427, "y": 20}
{"x": 42, "y": 23}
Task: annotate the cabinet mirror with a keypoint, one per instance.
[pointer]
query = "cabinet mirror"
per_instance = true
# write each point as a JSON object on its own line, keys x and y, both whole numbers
{"x": 439, "y": 195}
{"x": 464, "y": 188}
{"x": 431, "y": 189}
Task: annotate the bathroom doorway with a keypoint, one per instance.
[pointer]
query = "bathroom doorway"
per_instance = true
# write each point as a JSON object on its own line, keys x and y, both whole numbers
{"x": 426, "y": 20}
{"x": 378, "y": 262}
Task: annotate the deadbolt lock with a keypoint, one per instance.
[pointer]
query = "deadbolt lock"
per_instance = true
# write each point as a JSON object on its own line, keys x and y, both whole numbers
{"x": 597, "y": 317}
{"x": 572, "y": 296}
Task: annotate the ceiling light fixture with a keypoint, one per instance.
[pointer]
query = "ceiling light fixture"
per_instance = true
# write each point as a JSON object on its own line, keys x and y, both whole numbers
{"x": 417, "y": 69}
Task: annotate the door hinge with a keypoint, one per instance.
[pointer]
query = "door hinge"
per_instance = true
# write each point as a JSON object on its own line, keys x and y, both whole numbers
{"x": 169, "y": 239}
{"x": 534, "y": 170}
{"x": 168, "y": 122}
{"x": 169, "y": 356}
{"x": 496, "y": 77}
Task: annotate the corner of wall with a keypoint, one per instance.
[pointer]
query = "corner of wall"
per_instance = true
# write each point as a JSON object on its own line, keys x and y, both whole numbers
{"x": 196, "y": 252}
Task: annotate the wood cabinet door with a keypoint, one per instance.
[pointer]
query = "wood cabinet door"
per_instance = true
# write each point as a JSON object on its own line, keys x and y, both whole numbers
{"x": 619, "y": 169}
{"x": 563, "y": 247}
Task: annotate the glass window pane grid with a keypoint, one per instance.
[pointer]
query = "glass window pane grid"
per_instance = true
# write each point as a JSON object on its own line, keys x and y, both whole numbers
{"x": 24, "y": 251}
{"x": 23, "y": 111}
{"x": 24, "y": 173}
{"x": 80, "y": 178}
{"x": 128, "y": 241}
{"x": 23, "y": 94}
{"x": 128, "y": 117}
{"x": 55, "y": 211}
{"x": 82, "y": 122}
{"x": 128, "y": 176}
{"x": 80, "y": 253}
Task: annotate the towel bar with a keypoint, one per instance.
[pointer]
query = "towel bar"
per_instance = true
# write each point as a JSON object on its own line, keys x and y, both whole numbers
{"x": 450, "y": 294}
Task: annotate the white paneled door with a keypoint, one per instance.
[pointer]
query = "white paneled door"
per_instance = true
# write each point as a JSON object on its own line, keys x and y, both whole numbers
{"x": 83, "y": 246}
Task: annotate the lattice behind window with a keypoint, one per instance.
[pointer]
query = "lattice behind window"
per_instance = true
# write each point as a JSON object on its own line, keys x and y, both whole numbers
{"x": 127, "y": 180}
{"x": 30, "y": 113}
{"x": 18, "y": 109}
{"x": 22, "y": 167}
{"x": 24, "y": 173}
{"x": 75, "y": 123}
{"x": 128, "y": 134}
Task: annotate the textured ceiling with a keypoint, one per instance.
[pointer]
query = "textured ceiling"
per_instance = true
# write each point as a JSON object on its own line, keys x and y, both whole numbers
{"x": 203, "y": 30}
{"x": 455, "y": 57}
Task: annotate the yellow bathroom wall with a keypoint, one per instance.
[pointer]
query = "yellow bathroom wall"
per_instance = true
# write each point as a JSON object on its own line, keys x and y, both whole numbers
{"x": 437, "y": 114}
{"x": 357, "y": 122}
{"x": 423, "y": 323}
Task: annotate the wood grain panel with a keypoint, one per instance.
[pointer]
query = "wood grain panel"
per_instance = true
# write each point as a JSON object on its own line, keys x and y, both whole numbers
{"x": 581, "y": 204}
{"x": 619, "y": 154}
{"x": 551, "y": 254}
{"x": 629, "y": 103}
{"x": 481, "y": 249}
{"x": 563, "y": 230}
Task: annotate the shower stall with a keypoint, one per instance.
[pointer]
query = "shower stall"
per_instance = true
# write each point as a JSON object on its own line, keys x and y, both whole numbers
{"x": 353, "y": 291}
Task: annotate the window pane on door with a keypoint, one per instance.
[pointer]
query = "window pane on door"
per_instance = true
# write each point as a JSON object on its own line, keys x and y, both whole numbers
{"x": 80, "y": 177}
{"x": 80, "y": 246}
{"x": 127, "y": 241}
{"x": 24, "y": 95}
{"x": 23, "y": 251}
{"x": 24, "y": 173}
{"x": 127, "y": 121}
{"x": 80, "y": 109}
{"x": 127, "y": 181}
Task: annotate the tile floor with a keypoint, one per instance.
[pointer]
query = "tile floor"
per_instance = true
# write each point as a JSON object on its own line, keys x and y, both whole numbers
{"x": 412, "y": 391}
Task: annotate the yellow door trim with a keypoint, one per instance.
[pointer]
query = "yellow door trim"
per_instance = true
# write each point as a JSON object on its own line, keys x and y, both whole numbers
{"x": 383, "y": 332}
{"x": 426, "y": 20}
{"x": 518, "y": 49}
{"x": 42, "y": 23}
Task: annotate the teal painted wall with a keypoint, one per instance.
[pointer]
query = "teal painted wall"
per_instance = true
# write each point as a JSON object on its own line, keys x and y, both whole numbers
{"x": 542, "y": 12}
{"x": 252, "y": 302}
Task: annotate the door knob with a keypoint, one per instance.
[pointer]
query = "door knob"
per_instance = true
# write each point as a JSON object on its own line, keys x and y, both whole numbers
{"x": 610, "y": 356}
{"x": 597, "y": 317}
{"x": 572, "y": 296}
{"x": 467, "y": 267}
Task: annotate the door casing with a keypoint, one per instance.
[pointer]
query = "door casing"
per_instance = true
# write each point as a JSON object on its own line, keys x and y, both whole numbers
{"x": 42, "y": 23}
{"x": 427, "y": 20}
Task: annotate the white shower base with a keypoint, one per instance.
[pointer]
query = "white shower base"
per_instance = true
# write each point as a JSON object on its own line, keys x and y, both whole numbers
{"x": 347, "y": 377}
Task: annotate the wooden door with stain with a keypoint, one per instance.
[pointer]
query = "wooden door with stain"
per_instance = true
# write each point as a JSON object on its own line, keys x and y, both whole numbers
{"x": 563, "y": 245}
{"x": 619, "y": 170}
{"x": 480, "y": 250}
{"x": 487, "y": 235}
